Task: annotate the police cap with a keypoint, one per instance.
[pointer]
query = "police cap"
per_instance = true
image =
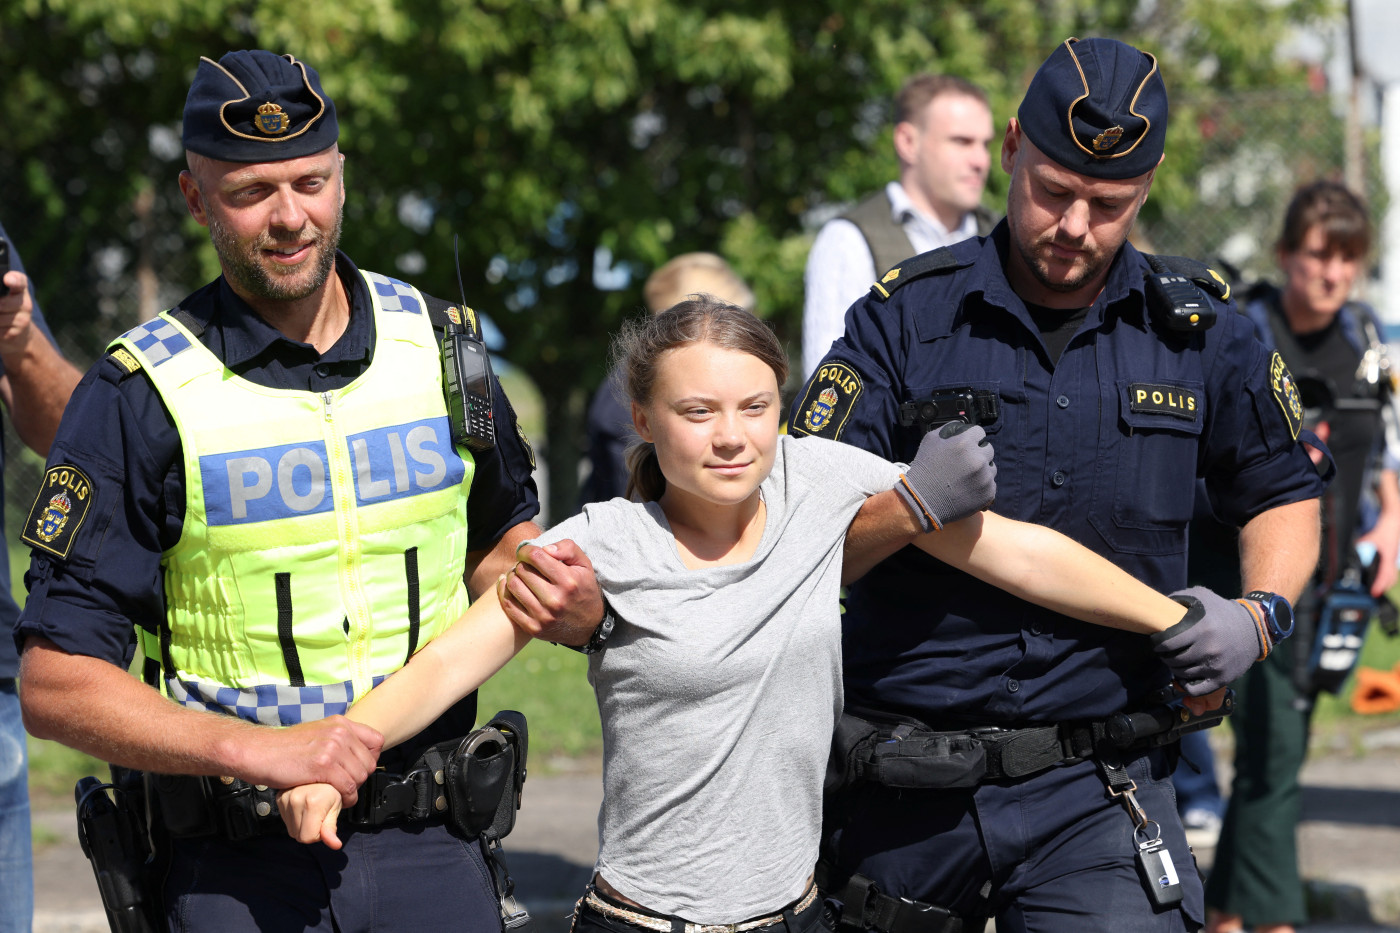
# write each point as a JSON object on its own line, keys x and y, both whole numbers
{"x": 257, "y": 106}
{"x": 1098, "y": 107}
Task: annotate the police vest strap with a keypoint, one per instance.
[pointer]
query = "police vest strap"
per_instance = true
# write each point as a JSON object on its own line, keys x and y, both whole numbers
{"x": 865, "y": 907}
{"x": 1195, "y": 270}
{"x": 934, "y": 262}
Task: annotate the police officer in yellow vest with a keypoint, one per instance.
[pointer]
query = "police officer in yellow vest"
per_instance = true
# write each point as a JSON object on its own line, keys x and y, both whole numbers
{"x": 261, "y": 481}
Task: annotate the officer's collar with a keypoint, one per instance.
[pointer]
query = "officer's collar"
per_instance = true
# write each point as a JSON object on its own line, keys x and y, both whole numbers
{"x": 245, "y": 336}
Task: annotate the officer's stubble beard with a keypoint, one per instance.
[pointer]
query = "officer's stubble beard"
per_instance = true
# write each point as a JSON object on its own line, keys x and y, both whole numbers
{"x": 252, "y": 280}
{"x": 1095, "y": 264}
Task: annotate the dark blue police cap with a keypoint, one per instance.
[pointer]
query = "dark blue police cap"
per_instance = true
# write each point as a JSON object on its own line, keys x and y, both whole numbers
{"x": 1098, "y": 107}
{"x": 258, "y": 107}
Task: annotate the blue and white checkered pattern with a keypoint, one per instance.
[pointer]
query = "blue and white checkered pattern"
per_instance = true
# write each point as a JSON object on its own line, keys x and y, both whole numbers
{"x": 268, "y": 704}
{"x": 393, "y": 294}
{"x": 158, "y": 339}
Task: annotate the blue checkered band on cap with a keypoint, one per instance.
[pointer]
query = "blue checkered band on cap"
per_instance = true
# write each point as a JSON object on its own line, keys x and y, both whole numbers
{"x": 393, "y": 294}
{"x": 1098, "y": 107}
{"x": 158, "y": 340}
{"x": 256, "y": 106}
{"x": 267, "y": 704}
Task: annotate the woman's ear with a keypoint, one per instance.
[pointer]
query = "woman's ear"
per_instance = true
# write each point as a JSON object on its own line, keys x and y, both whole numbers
{"x": 639, "y": 421}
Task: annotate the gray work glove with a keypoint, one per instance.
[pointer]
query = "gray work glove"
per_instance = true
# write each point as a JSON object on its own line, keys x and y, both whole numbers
{"x": 1216, "y": 641}
{"x": 952, "y": 476}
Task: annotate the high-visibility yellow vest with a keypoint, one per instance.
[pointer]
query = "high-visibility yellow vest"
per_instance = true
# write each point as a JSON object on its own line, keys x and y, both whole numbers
{"x": 325, "y": 534}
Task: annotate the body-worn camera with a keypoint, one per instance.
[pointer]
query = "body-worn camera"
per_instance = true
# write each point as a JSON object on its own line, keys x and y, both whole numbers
{"x": 970, "y": 406}
{"x": 466, "y": 373}
{"x": 1178, "y": 303}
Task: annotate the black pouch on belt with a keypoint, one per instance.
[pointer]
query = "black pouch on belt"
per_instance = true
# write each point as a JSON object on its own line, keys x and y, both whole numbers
{"x": 902, "y": 752}
{"x": 485, "y": 775}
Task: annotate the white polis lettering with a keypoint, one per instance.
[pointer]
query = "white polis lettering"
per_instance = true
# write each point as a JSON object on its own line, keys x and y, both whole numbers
{"x": 420, "y": 440}
{"x": 286, "y": 485}
{"x": 404, "y": 460}
{"x": 240, "y": 492}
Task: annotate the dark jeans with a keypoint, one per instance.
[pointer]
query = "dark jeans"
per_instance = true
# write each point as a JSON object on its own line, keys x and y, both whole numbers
{"x": 810, "y": 920}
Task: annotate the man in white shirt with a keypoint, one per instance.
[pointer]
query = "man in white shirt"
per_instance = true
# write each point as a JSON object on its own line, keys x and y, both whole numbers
{"x": 942, "y": 134}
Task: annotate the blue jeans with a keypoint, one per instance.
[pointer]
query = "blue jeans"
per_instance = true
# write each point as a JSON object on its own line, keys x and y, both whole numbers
{"x": 16, "y": 852}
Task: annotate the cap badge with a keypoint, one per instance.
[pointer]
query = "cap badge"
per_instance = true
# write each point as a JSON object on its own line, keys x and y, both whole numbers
{"x": 1108, "y": 138}
{"x": 273, "y": 120}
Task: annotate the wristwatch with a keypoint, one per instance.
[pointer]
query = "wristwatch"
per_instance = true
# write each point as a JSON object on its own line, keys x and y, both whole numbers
{"x": 597, "y": 641}
{"x": 1278, "y": 614}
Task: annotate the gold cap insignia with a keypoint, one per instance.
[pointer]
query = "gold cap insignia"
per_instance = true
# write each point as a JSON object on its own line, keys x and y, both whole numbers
{"x": 273, "y": 120}
{"x": 1108, "y": 138}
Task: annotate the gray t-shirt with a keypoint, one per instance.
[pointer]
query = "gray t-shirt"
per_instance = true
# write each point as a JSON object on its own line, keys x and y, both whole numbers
{"x": 719, "y": 691}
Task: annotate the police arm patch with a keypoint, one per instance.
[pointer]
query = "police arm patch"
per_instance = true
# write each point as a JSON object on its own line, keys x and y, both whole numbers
{"x": 1286, "y": 394}
{"x": 1164, "y": 400}
{"x": 830, "y": 397}
{"x": 58, "y": 511}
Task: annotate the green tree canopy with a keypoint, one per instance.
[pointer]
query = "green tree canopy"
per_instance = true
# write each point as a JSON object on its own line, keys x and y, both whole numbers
{"x": 570, "y": 145}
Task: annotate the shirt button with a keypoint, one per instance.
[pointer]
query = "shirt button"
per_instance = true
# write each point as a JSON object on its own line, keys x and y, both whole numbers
{"x": 1013, "y": 686}
{"x": 1058, "y": 479}
{"x": 323, "y": 370}
{"x": 1062, "y": 401}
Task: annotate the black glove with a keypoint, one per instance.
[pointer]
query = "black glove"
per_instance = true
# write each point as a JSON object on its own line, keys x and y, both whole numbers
{"x": 1215, "y": 642}
{"x": 952, "y": 476}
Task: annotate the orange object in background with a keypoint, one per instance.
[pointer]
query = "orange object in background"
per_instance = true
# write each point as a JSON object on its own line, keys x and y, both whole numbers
{"x": 1376, "y": 691}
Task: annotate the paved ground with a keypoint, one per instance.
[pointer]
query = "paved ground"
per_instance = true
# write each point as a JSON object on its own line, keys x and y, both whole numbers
{"x": 1350, "y": 849}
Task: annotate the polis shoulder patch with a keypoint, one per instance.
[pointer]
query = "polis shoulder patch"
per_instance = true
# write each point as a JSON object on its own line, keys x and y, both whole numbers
{"x": 525, "y": 442}
{"x": 830, "y": 396}
{"x": 64, "y": 498}
{"x": 1164, "y": 400}
{"x": 1286, "y": 393}
{"x": 931, "y": 263}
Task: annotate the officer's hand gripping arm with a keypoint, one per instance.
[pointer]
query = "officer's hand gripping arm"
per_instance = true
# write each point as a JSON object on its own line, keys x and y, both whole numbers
{"x": 952, "y": 475}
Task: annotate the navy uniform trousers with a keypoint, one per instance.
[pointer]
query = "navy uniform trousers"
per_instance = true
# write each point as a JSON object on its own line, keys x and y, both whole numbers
{"x": 1053, "y": 845}
{"x": 391, "y": 879}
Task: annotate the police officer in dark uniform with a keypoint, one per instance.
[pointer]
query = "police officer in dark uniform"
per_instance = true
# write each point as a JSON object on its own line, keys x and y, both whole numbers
{"x": 263, "y": 483}
{"x": 1105, "y": 396}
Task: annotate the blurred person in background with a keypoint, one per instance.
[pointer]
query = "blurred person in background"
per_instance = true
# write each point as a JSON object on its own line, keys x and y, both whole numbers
{"x": 35, "y": 382}
{"x": 610, "y": 430}
{"x": 942, "y": 135}
{"x": 1332, "y": 342}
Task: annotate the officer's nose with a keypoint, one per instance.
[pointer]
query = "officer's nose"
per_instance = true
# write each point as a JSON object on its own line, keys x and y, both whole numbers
{"x": 287, "y": 211}
{"x": 1074, "y": 221}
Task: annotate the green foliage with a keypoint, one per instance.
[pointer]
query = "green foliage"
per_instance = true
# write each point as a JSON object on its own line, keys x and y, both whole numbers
{"x": 549, "y": 684}
{"x": 543, "y": 132}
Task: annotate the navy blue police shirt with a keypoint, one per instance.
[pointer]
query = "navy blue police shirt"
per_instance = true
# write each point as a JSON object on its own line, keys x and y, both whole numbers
{"x": 1104, "y": 445}
{"x": 119, "y": 433}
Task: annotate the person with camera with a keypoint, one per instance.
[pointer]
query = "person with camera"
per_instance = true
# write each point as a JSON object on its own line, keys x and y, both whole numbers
{"x": 269, "y": 485}
{"x": 1333, "y": 344}
{"x": 1107, "y": 381}
{"x": 35, "y": 382}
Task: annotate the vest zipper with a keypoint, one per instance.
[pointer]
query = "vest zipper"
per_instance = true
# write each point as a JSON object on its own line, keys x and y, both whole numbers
{"x": 351, "y": 588}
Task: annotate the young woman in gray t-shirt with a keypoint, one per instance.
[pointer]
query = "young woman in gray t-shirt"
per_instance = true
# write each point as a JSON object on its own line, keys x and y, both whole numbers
{"x": 721, "y": 684}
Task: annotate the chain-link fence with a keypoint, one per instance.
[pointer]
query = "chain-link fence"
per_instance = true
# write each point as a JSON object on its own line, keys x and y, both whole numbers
{"x": 1256, "y": 148}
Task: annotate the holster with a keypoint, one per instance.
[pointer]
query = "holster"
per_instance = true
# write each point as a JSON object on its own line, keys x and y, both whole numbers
{"x": 117, "y": 840}
{"x": 901, "y": 752}
{"x": 485, "y": 777}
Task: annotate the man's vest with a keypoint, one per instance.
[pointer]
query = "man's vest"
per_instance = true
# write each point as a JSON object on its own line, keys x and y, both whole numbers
{"x": 325, "y": 534}
{"x": 889, "y": 244}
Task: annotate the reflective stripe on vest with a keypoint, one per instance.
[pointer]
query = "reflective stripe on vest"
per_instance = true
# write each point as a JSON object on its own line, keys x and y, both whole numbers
{"x": 325, "y": 533}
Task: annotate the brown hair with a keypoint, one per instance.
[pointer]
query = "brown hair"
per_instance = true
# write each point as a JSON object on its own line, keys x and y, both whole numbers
{"x": 638, "y": 348}
{"x": 1345, "y": 222}
{"x": 695, "y": 274}
{"x": 919, "y": 91}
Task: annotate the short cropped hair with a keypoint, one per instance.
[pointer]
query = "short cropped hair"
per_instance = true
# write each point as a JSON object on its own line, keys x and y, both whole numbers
{"x": 919, "y": 91}
{"x": 695, "y": 274}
